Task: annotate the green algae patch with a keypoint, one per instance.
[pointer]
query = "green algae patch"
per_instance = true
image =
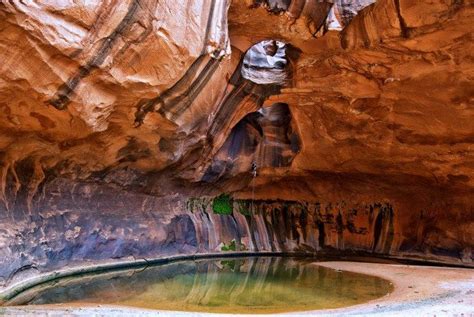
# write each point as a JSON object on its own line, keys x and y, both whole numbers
{"x": 222, "y": 205}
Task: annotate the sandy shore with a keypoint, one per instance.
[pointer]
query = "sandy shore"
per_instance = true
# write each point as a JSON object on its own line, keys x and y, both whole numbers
{"x": 419, "y": 291}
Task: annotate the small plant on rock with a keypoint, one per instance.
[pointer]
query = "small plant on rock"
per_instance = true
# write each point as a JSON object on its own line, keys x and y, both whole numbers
{"x": 222, "y": 205}
{"x": 231, "y": 247}
{"x": 244, "y": 207}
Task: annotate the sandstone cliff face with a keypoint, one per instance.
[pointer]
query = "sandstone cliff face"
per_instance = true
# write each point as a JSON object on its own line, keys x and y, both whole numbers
{"x": 114, "y": 114}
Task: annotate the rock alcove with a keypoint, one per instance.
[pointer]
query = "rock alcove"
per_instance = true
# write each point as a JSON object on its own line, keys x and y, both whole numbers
{"x": 122, "y": 121}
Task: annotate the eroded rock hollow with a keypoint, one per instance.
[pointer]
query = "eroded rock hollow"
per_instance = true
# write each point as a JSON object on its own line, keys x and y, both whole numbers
{"x": 140, "y": 128}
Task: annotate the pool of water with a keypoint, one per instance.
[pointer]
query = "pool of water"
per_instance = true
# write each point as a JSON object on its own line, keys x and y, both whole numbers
{"x": 240, "y": 285}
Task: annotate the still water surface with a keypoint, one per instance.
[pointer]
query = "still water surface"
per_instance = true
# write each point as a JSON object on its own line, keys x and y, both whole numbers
{"x": 242, "y": 285}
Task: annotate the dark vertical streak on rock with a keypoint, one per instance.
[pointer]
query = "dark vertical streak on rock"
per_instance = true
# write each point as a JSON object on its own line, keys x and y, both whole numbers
{"x": 257, "y": 93}
{"x": 321, "y": 233}
{"x": 405, "y": 31}
{"x": 303, "y": 220}
{"x": 319, "y": 15}
{"x": 148, "y": 105}
{"x": 278, "y": 225}
{"x": 175, "y": 100}
{"x": 340, "y": 230}
{"x": 237, "y": 230}
{"x": 62, "y": 98}
{"x": 296, "y": 8}
{"x": 228, "y": 107}
{"x": 293, "y": 220}
{"x": 249, "y": 221}
{"x": 269, "y": 229}
{"x": 286, "y": 216}
{"x": 377, "y": 229}
{"x": 176, "y": 106}
{"x": 390, "y": 231}
{"x": 383, "y": 229}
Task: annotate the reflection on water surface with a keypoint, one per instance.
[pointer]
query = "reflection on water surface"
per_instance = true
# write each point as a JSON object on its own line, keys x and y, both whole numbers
{"x": 242, "y": 285}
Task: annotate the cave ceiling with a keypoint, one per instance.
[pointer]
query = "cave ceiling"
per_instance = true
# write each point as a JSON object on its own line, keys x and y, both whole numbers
{"x": 126, "y": 93}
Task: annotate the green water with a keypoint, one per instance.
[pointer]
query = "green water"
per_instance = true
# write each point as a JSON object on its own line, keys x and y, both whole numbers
{"x": 243, "y": 285}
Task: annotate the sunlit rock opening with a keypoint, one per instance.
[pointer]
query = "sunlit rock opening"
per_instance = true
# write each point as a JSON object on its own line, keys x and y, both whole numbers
{"x": 266, "y": 63}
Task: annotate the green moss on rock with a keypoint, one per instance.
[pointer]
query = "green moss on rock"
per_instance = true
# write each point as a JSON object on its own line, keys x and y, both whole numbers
{"x": 231, "y": 247}
{"x": 244, "y": 207}
{"x": 222, "y": 205}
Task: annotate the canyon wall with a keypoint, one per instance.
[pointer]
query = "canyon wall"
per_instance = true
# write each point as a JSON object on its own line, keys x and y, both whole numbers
{"x": 80, "y": 224}
{"x": 331, "y": 125}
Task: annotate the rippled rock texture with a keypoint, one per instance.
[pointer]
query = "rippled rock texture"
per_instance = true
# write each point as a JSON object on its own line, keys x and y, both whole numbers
{"x": 355, "y": 116}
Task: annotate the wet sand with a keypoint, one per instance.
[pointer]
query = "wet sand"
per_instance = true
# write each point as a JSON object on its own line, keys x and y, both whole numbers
{"x": 419, "y": 291}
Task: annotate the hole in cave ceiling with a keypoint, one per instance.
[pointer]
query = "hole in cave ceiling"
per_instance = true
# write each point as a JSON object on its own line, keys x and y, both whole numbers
{"x": 266, "y": 63}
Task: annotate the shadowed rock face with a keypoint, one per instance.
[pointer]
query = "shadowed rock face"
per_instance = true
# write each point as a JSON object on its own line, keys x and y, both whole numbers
{"x": 115, "y": 114}
{"x": 275, "y": 6}
{"x": 264, "y": 138}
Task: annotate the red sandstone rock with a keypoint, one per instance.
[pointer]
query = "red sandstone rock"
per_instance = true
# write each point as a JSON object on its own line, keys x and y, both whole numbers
{"x": 107, "y": 105}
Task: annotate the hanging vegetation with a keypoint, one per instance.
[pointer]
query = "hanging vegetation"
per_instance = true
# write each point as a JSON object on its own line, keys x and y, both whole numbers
{"x": 222, "y": 204}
